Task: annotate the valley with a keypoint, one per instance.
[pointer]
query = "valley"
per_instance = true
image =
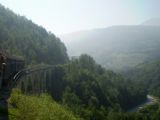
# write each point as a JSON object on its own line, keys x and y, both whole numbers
{"x": 110, "y": 73}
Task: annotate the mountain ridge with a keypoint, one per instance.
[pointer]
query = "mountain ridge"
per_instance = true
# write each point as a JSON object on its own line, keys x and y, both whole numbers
{"x": 117, "y": 43}
{"x": 152, "y": 22}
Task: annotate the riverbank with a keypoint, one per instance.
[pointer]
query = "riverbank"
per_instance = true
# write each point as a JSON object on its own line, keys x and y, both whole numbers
{"x": 149, "y": 101}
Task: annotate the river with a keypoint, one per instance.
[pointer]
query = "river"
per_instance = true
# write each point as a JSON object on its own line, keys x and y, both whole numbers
{"x": 149, "y": 100}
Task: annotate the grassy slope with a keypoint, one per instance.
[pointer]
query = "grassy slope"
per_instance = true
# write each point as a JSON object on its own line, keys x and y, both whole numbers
{"x": 36, "y": 108}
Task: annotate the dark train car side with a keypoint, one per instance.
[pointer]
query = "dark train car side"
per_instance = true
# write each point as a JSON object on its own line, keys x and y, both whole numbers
{"x": 9, "y": 66}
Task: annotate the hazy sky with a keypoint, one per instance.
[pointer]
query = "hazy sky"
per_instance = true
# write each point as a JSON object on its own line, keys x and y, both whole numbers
{"x": 63, "y": 16}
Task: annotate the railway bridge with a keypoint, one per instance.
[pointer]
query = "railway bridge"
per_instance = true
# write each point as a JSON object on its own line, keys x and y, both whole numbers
{"x": 35, "y": 80}
{"x": 13, "y": 74}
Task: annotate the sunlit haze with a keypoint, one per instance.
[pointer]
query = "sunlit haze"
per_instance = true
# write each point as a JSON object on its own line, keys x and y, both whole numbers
{"x": 64, "y": 16}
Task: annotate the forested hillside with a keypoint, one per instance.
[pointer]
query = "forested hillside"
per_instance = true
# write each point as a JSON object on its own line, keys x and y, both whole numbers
{"x": 20, "y": 36}
{"x": 149, "y": 76}
{"x": 88, "y": 90}
{"x": 118, "y": 47}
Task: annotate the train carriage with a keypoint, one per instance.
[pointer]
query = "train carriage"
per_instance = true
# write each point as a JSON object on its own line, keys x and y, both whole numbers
{"x": 9, "y": 66}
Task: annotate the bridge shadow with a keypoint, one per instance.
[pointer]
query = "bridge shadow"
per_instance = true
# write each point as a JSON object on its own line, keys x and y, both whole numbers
{"x": 4, "y": 96}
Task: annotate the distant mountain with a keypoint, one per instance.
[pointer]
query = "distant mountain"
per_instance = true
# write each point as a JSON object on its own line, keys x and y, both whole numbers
{"x": 20, "y": 36}
{"x": 152, "y": 22}
{"x": 116, "y": 47}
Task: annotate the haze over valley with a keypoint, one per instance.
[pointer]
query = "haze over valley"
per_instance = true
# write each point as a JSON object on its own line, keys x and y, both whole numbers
{"x": 117, "y": 47}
